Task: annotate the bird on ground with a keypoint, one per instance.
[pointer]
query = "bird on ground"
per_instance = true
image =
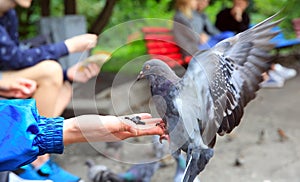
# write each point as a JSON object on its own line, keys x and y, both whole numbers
{"x": 100, "y": 173}
{"x": 140, "y": 172}
{"x": 210, "y": 97}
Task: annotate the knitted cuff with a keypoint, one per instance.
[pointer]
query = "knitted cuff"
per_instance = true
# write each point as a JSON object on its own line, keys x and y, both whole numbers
{"x": 50, "y": 137}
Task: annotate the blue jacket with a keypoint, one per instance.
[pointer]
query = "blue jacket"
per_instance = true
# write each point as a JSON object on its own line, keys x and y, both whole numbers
{"x": 13, "y": 57}
{"x": 25, "y": 134}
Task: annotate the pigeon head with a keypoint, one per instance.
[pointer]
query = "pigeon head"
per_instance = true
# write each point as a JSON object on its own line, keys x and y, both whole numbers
{"x": 156, "y": 69}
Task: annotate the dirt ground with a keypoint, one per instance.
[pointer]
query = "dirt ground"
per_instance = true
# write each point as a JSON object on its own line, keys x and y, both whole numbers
{"x": 256, "y": 144}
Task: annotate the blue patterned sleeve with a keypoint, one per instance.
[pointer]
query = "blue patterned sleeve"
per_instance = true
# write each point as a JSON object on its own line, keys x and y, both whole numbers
{"x": 12, "y": 56}
{"x": 25, "y": 135}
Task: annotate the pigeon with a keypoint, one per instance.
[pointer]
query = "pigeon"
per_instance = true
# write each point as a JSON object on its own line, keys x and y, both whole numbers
{"x": 209, "y": 99}
{"x": 158, "y": 148}
{"x": 180, "y": 167}
{"x": 140, "y": 172}
{"x": 100, "y": 173}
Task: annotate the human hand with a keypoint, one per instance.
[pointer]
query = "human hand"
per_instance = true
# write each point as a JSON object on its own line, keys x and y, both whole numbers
{"x": 17, "y": 87}
{"x": 128, "y": 128}
{"x": 80, "y": 73}
{"x": 204, "y": 38}
{"x": 81, "y": 43}
{"x": 94, "y": 128}
{"x": 237, "y": 13}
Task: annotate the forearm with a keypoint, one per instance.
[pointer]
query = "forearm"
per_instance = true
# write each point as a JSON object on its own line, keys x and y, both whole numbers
{"x": 88, "y": 128}
{"x": 98, "y": 128}
{"x": 14, "y": 57}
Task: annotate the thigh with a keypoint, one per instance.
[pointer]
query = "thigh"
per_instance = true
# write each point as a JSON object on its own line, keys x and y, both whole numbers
{"x": 36, "y": 72}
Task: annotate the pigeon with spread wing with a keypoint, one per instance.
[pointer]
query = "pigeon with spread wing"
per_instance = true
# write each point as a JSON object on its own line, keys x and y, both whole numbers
{"x": 210, "y": 98}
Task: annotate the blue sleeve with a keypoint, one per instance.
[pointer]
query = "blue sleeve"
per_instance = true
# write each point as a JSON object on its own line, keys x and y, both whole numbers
{"x": 12, "y": 56}
{"x": 25, "y": 135}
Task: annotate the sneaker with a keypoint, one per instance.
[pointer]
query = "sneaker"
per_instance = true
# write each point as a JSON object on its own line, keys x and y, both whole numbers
{"x": 275, "y": 76}
{"x": 28, "y": 172}
{"x": 15, "y": 178}
{"x": 48, "y": 171}
{"x": 55, "y": 173}
{"x": 274, "y": 81}
{"x": 284, "y": 72}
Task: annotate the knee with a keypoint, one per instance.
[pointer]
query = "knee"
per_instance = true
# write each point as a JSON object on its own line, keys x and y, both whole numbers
{"x": 51, "y": 71}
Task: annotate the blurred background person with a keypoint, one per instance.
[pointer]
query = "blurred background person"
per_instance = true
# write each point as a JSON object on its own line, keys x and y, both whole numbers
{"x": 236, "y": 19}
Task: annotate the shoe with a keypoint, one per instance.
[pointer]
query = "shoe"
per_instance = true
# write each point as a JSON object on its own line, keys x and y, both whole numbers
{"x": 274, "y": 81}
{"x": 55, "y": 173}
{"x": 284, "y": 72}
{"x": 28, "y": 172}
{"x": 275, "y": 76}
{"x": 15, "y": 178}
{"x": 48, "y": 171}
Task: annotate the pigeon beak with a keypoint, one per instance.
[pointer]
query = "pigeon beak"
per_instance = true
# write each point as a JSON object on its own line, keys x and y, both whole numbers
{"x": 141, "y": 75}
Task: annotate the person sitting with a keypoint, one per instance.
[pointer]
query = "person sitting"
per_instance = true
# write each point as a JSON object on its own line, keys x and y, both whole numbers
{"x": 25, "y": 134}
{"x": 192, "y": 29}
{"x": 41, "y": 65}
{"x": 236, "y": 19}
{"x": 210, "y": 35}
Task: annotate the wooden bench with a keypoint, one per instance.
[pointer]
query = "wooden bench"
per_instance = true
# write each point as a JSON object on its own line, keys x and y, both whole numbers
{"x": 160, "y": 44}
{"x": 296, "y": 25}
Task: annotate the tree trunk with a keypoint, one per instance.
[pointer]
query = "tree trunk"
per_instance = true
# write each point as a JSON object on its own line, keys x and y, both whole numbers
{"x": 103, "y": 17}
{"x": 45, "y": 7}
{"x": 70, "y": 7}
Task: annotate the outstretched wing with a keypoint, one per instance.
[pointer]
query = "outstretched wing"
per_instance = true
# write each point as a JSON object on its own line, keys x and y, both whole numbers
{"x": 220, "y": 82}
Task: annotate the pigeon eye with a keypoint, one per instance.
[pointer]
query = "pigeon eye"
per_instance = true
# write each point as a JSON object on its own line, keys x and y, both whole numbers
{"x": 147, "y": 67}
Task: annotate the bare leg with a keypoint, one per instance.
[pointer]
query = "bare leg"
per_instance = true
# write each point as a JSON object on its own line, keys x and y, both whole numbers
{"x": 64, "y": 98}
{"x": 40, "y": 161}
{"x": 48, "y": 75}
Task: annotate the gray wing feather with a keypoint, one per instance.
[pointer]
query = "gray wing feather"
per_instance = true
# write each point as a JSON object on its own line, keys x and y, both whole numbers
{"x": 220, "y": 82}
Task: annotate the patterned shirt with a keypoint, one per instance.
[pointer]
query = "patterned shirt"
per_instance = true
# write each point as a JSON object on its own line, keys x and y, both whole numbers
{"x": 13, "y": 56}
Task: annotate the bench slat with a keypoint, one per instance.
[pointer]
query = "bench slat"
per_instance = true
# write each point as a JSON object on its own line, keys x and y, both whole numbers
{"x": 160, "y": 44}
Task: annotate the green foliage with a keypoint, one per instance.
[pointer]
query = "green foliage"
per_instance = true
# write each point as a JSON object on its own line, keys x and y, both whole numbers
{"x": 130, "y": 10}
{"x": 124, "y": 55}
{"x": 289, "y": 8}
{"x": 127, "y": 11}
{"x": 27, "y": 20}
{"x": 90, "y": 9}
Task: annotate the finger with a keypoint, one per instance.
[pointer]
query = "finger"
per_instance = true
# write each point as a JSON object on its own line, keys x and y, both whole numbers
{"x": 87, "y": 73}
{"x": 152, "y": 121}
{"x": 21, "y": 88}
{"x": 92, "y": 42}
{"x": 20, "y": 95}
{"x": 93, "y": 68}
{"x": 150, "y": 131}
{"x": 143, "y": 115}
{"x": 30, "y": 84}
{"x": 140, "y": 130}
